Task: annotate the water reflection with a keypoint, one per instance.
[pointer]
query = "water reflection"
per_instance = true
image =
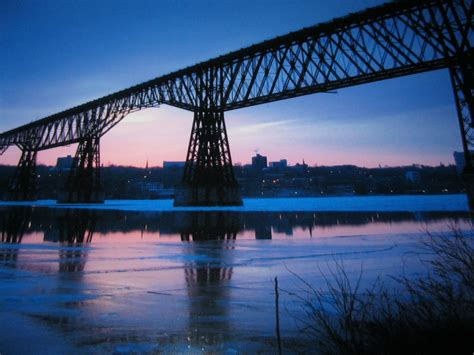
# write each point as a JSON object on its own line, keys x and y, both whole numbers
{"x": 15, "y": 222}
{"x": 208, "y": 275}
{"x": 210, "y": 226}
{"x": 150, "y": 271}
{"x": 71, "y": 229}
{"x": 77, "y": 226}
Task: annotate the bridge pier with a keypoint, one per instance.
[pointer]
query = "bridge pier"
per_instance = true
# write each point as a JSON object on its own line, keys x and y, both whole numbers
{"x": 462, "y": 79}
{"x": 83, "y": 184}
{"x": 22, "y": 185}
{"x": 208, "y": 178}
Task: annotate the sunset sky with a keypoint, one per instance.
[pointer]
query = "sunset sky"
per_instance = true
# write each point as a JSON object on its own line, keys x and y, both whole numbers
{"x": 58, "y": 54}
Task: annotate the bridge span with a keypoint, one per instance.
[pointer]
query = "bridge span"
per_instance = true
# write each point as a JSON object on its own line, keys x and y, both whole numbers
{"x": 395, "y": 39}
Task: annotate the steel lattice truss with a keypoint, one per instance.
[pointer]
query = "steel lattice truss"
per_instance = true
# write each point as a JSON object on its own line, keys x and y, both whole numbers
{"x": 395, "y": 39}
{"x": 208, "y": 160}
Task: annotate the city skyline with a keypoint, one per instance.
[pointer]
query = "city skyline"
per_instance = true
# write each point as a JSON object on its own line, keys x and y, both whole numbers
{"x": 396, "y": 122}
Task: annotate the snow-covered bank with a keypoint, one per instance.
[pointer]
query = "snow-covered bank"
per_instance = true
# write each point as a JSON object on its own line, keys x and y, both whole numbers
{"x": 410, "y": 203}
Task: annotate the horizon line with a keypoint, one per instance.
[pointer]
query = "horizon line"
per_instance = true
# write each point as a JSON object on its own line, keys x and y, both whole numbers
{"x": 416, "y": 165}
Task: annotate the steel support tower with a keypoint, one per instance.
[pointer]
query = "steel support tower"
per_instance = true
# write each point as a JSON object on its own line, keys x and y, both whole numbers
{"x": 83, "y": 184}
{"x": 462, "y": 79}
{"x": 208, "y": 177}
{"x": 22, "y": 185}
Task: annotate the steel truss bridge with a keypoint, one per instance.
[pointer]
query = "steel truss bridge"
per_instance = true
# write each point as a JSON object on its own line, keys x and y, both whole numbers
{"x": 392, "y": 40}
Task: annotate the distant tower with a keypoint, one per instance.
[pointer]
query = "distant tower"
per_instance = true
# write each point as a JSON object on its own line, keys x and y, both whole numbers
{"x": 259, "y": 162}
{"x": 146, "y": 167}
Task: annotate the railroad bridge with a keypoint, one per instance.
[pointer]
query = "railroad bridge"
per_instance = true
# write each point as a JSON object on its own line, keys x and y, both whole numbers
{"x": 392, "y": 40}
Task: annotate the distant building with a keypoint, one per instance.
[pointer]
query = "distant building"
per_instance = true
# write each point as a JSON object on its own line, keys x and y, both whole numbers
{"x": 64, "y": 163}
{"x": 413, "y": 177}
{"x": 460, "y": 161}
{"x": 301, "y": 167}
{"x": 259, "y": 162}
{"x": 282, "y": 164}
{"x": 173, "y": 164}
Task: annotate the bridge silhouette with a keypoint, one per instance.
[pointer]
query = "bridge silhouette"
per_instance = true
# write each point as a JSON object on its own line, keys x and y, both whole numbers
{"x": 392, "y": 40}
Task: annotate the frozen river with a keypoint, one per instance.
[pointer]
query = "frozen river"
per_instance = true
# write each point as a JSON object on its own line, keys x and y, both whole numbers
{"x": 140, "y": 276}
{"x": 396, "y": 203}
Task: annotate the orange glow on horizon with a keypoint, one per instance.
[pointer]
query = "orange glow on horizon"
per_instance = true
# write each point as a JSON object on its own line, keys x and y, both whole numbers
{"x": 157, "y": 135}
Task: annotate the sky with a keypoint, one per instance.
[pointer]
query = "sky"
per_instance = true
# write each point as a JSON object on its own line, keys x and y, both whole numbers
{"x": 59, "y": 54}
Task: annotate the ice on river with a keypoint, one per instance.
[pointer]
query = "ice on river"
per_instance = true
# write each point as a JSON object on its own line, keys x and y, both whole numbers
{"x": 173, "y": 296}
{"x": 399, "y": 203}
{"x": 160, "y": 282}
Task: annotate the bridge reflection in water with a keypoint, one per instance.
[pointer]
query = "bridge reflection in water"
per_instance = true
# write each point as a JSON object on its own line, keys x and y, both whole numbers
{"x": 109, "y": 264}
{"x": 14, "y": 224}
{"x": 73, "y": 230}
{"x": 208, "y": 275}
{"x": 78, "y": 226}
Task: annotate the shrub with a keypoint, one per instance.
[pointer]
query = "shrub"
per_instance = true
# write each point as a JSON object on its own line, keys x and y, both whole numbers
{"x": 433, "y": 313}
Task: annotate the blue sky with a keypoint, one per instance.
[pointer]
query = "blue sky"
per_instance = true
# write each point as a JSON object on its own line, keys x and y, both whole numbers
{"x": 58, "y": 54}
